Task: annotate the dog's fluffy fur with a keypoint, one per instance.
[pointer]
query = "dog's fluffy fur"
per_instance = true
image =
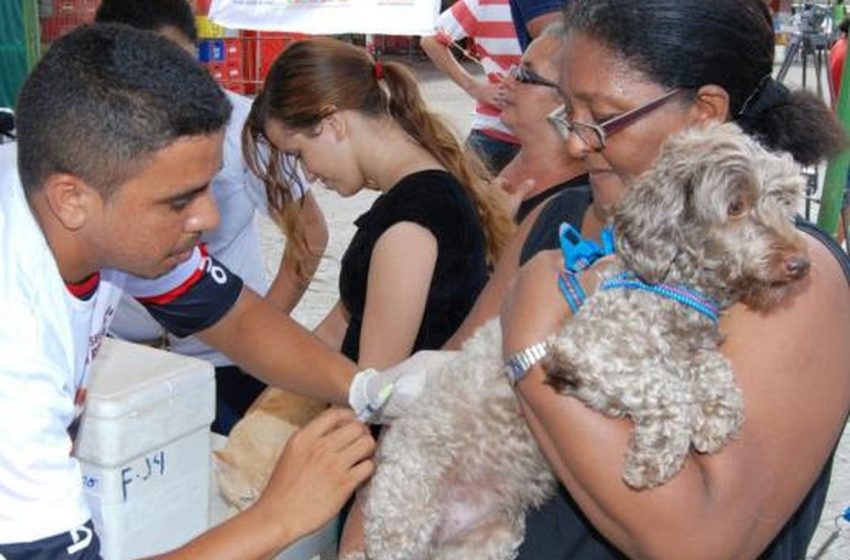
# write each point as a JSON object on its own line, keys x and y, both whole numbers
{"x": 457, "y": 472}
{"x": 456, "y": 475}
{"x": 715, "y": 213}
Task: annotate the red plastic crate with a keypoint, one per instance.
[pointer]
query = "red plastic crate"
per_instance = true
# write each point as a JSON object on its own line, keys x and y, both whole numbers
{"x": 61, "y": 16}
{"x": 235, "y": 87}
{"x": 233, "y": 51}
{"x": 202, "y": 7}
{"x": 217, "y": 70}
{"x": 261, "y": 49}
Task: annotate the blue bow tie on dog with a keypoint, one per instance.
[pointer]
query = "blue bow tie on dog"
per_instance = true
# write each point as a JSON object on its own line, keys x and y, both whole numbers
{"x": 579, "y": 254}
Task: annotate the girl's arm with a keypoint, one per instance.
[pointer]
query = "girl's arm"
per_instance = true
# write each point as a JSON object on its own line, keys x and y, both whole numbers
{"x": 400, "y": 271}
{"x": 332, "y": 329}
{"x": 288, "y": 286}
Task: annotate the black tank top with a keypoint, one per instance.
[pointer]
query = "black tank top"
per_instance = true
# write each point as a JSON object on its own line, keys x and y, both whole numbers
{"x": 437, "y": 201}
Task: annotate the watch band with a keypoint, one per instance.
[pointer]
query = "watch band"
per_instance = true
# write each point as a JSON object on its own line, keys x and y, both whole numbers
{"x": 518, "y": 365}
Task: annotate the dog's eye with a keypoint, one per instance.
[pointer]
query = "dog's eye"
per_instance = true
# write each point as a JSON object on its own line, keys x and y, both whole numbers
{"x": 736, "y": 208}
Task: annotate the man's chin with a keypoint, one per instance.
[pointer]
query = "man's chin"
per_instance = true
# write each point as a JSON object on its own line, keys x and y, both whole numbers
{"x": 152, "y": 273}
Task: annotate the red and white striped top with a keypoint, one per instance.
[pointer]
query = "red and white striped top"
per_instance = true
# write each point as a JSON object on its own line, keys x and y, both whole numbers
{"x": 488, "y": 23}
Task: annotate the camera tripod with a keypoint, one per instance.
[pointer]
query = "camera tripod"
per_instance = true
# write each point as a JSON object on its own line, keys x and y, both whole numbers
{"x": 807, "y": 46}
{"x": 810, "y": 45}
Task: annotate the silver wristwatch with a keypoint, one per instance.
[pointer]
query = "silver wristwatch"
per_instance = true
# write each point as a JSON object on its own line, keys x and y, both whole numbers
{"x": 518, "y": 365}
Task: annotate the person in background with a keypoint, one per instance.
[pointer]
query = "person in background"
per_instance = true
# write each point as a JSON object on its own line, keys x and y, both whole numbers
{"x": 488, "y": 25}
{"x": 837, "y": 55}
{"x": 240, "y": 198}
{"x": 530, "y": 17}
{"x": 762, "y": 495}
{"x": 560, "y": 184}
{"x": 107, "y": 190}
{"x": 532, "y": 92}
{"x": 420, "y": 254}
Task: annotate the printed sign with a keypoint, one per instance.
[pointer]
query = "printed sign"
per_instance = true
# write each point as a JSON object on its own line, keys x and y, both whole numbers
{"x": 328, "y": 17}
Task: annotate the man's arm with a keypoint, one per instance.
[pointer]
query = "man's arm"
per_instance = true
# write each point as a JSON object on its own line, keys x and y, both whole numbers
{"x": 437, "y": 49}
{"x": 320, "y": 467}
{"x": 276, "y": 349}
{"x": 201, "y": 297}
{"x": 532, "y": 16}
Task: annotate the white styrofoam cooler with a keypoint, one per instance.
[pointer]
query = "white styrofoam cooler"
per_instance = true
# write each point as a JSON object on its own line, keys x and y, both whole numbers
{"x": 144, "y": 448}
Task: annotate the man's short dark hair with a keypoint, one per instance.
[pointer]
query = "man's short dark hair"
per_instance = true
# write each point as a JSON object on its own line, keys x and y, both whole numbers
{"x": 150, "y": 14}
{"x": 104, "y": 98}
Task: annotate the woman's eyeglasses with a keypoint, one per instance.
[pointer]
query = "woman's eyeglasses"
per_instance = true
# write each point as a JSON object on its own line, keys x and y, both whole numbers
{"x": 596, "y": 135}
{"x": 528, "y": 76}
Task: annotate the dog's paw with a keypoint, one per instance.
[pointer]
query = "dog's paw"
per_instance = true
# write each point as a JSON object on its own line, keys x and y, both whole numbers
{"x": 721, "y": 410}
{"x": 656, "y": 452}
{"x": 716, "y": 430}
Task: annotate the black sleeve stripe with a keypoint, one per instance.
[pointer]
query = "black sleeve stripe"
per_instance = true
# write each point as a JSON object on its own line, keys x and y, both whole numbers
{"x": 206, "y": 300}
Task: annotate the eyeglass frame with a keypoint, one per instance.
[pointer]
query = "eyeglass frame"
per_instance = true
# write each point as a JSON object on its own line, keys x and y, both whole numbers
{"x": 564, "y": 127}
{"x": 525, "y": 75}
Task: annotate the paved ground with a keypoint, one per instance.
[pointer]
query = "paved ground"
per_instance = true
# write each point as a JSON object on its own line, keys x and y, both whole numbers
{"x": 340, "y": 213}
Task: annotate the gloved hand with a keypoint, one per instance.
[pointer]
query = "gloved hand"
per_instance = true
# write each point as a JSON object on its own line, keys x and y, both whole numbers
{"x": 381, "y": 396}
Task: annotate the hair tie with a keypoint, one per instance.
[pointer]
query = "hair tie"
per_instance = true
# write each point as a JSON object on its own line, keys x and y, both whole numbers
{"x": 768, "y": 94}
{"x": 378, "y": 70}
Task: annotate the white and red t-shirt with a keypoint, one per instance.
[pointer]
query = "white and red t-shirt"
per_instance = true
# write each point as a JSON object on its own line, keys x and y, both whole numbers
{"x": 488, "y": 23}
{"x": 49, "y": 335}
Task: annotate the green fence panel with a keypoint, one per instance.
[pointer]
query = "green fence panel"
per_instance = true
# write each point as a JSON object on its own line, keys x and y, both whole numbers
{"x": 836, "y": 171}
{"x": 18, "y": 46}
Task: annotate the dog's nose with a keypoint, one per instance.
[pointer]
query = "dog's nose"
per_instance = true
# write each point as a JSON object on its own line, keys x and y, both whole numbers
{"x": 797, "y": 266}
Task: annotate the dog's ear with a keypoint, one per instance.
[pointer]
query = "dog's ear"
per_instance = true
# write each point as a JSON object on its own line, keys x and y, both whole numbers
{"x": 648, "y": 222}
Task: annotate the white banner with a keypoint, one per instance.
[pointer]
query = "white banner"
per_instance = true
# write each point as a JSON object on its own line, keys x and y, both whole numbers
{"x": 328, "y": 17}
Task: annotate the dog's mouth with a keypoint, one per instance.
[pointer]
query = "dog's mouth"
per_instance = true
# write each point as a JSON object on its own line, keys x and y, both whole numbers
{"x": 763, "y": 292}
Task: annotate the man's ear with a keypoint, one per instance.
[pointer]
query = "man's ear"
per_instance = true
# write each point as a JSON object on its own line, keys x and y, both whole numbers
{"x": 71, "y": 200}
{"x": 711, "y": 104}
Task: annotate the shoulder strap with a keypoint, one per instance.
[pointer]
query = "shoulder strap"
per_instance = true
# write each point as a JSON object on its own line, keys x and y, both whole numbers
{"x": 566, "y": 206}
{"x": 828, "y": 242}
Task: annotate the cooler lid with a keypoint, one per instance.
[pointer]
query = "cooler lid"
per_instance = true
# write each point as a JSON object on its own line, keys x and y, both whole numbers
{"x": 126, "y": 377}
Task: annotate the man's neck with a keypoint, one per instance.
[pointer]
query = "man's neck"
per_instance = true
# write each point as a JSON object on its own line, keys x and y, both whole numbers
{"x": 71, "y": 255}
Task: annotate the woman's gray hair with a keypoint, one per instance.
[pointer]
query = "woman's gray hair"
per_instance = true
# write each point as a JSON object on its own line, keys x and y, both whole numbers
{"x": 556, "y": 30}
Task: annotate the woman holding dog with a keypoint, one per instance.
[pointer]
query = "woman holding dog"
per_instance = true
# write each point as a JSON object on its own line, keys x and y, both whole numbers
{"x": 633, "y": 74}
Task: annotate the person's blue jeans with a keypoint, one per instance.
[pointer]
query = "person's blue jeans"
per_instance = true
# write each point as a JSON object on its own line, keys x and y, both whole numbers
{"x": 493, "y": 152}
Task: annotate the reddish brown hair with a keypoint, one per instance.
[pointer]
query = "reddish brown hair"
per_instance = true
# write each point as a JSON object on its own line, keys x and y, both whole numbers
{"x": 316, "y": 77}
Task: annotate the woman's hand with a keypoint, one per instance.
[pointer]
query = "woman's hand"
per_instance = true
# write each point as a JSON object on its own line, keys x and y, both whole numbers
{"x": 489, "y": 93}
{"x": 510, "y": 195}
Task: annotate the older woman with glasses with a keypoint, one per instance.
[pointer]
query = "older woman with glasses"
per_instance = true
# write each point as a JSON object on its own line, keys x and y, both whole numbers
{"x": 633, "y": 73}
{"x": 530, "y": 95}
{"x": 559, "y": 180}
